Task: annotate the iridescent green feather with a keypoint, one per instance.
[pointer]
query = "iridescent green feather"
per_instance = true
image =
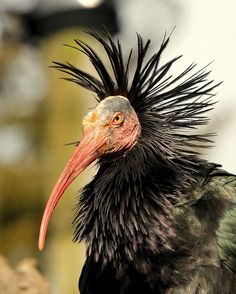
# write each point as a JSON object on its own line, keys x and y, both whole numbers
{"x": 226, "y": 234}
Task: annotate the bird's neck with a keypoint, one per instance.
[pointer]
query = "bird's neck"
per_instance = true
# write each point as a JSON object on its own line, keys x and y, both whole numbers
{"x": 127, "y": 208}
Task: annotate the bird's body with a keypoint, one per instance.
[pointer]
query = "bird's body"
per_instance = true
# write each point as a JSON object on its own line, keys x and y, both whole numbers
{"x": 188, "y": 253}
{"x": 156, "y": 218}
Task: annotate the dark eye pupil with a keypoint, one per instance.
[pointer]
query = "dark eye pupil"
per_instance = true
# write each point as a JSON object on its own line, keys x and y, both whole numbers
{"x": 117, "y": 118}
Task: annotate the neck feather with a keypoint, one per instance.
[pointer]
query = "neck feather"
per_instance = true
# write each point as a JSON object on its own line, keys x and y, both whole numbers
{"x": 128, "y": 207}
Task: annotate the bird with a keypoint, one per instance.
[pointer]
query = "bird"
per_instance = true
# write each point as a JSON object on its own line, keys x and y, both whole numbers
{"x": 156, "y": 217}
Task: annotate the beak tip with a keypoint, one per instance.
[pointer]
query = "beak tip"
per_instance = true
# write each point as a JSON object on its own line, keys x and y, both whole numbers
{"x": 41, "y": 239}
{"x": 40, "y": 245}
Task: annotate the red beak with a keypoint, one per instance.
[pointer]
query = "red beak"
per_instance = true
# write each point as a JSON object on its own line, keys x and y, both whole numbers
{"x": 85, "y": 153}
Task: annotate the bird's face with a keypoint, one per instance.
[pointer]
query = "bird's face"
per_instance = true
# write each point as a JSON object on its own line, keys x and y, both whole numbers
{"x": 111, "y": 129}
{"x": 113, "y": 125}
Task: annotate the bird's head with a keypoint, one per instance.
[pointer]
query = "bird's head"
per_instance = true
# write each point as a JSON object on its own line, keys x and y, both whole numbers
{"x": 110, "y": 130}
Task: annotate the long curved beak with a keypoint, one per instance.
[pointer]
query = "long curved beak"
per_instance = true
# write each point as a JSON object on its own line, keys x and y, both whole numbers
{"x": 85, "y": 153}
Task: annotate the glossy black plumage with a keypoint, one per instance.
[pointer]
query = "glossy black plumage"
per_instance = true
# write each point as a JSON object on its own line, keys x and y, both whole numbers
{"x": 160, "y": 219}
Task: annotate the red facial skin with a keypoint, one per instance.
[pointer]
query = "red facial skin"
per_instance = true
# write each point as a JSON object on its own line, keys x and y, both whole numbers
{"x": 115, "y": 134}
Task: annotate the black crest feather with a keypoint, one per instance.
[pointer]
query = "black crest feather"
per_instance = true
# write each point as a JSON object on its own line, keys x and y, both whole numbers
{"x": 174, "y": 103}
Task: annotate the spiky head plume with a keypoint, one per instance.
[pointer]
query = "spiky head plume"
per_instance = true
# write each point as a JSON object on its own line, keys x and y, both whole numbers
{"x": 167, "y": 106}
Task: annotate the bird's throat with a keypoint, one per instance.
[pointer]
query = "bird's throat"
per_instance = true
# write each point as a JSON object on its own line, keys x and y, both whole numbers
{"x": 119, "y": 215}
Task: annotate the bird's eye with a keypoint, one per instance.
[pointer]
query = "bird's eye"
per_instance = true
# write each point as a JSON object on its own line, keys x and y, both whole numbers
{"x": 118, "y": 118}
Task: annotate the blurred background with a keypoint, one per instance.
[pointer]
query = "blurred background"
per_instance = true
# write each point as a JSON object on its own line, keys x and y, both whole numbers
{"x": 40, "y": 113}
